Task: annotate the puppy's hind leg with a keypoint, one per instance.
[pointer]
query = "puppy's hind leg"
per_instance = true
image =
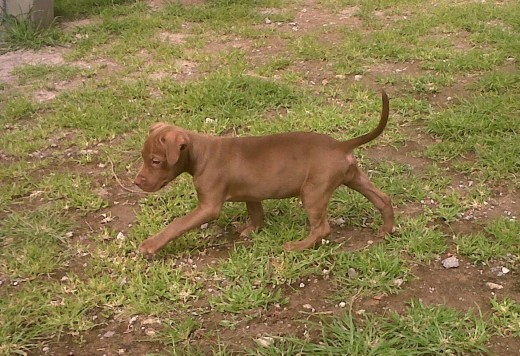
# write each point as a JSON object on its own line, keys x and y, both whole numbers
{"x": 359, "y": 181}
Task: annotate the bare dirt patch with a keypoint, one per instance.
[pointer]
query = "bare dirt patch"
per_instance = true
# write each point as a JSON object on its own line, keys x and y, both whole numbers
{"x": 405, "y": 154}
{"x": 314, "y": 72}
{"x": 312, "y": 18}
{"x": 119, "y": 336}
{"x": 184, "y": 70}
{"x": 175, "y": 38}
{"x": 74, "y": 25}
{"x": 157, "y": 5}
{"x": 225, "y": 44}
{"x": 462, "y": 288}
{"x": 389, "y": 17}
{"x": 11, "y": 60}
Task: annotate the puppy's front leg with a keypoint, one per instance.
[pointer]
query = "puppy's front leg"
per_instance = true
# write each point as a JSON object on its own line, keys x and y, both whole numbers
{"x": 202, "y": 214}
{"x": 255, "y": 218}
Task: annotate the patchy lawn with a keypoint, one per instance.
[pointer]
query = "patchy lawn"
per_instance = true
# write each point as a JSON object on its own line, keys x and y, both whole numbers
{"x": 77, "y": 101}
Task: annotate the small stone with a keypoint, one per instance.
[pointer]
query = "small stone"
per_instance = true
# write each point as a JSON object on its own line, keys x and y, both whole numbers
{"x": 150, "y": 321}
{"x": 342, "y": 304}
{"x": 69, "y": 234}
{"x": 352, "y": 274}
{"x": 46, "y": 349}
{"x": 326, "y": 274}
{"x": 302, "y": 285}
{"x": 106, "y": 218}
{"x": 339, "y": 221}
{"x": 340, "y": 76}
{"x": 358, "y": 77}
{"x": 493, "y": 286}
{"x": 204, "y": 226}
{"x": 450, "y": 262}
{"x": 109, "y": 334}
{"x": 87, "y": 152}
{"x": 268, "y": 21}
{"x": 265, "y": 341}
{"x": 36, "y": 193}
{"x": 64, "y": 279}
{"x": 309, "y": 307}
{"x": 120, "y": 236}
{"x": 398, "y": 282}
{"x": 121, "y": 351}
{"x": 150, "y": 332}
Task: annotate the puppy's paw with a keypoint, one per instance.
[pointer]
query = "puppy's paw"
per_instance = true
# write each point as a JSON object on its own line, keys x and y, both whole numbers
{"x": 246, "y": 230}
{"x": 386, "y": 231}
{"x": 148, "y": 249}
{"x": 295, "y": 246}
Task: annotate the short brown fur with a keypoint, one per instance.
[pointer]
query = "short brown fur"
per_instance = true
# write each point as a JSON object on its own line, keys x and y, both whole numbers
{"x": 252, "y": 169}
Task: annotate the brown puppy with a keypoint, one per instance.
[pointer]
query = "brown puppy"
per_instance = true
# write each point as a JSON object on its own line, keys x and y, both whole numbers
{"x": 251, "y": 169}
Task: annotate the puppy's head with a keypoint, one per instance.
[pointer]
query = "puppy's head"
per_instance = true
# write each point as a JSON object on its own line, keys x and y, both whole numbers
{"x": 163, "y": 158}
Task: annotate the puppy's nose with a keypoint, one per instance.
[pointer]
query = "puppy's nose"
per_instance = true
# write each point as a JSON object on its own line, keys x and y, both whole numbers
{"x": 139, "y": 180}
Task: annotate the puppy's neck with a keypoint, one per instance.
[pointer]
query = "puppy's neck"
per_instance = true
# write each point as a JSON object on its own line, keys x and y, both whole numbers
{"x": 198, "y": 151}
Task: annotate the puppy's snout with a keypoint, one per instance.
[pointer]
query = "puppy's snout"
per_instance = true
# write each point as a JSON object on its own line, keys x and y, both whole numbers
{"x": 139, "y": 180}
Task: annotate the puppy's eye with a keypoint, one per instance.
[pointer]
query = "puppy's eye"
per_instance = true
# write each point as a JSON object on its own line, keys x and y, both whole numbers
{"x": 156, "y": 162}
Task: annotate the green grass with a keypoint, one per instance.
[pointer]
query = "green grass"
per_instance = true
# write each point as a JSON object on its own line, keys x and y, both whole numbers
{"x": 22, "y": 33}
{"x": 377, "y": 271}
{"x": 36, "y": 310}
{"x": 420, "y": 330}
{"x": 72, "y": 192}
{"x": 417, "y": 239}
{"x": 500, "y": 239}
{"x": 46, "y": 72}
{"x": 121, "y": 73}
{"x": 482, "y": 126}
{"x": 16, "y": 109}
{"x": 158, "y": 289}
{"x": 32, "y": 243}
{"x": 506, "y": 316}
{"x": 69, "y": 9}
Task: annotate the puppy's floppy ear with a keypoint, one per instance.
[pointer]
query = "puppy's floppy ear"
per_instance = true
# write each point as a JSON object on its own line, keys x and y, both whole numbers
{"x": 174, "y": 142}
{"x": 156, "y": 126}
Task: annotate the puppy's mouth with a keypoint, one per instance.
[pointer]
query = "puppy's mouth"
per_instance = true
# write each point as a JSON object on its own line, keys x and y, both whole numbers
{"x": 163, "y": 184}
{"x": 153, "y": 189}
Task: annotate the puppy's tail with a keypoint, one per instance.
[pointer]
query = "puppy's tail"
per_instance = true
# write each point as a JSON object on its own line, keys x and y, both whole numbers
{"x": 349, "y": 145}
